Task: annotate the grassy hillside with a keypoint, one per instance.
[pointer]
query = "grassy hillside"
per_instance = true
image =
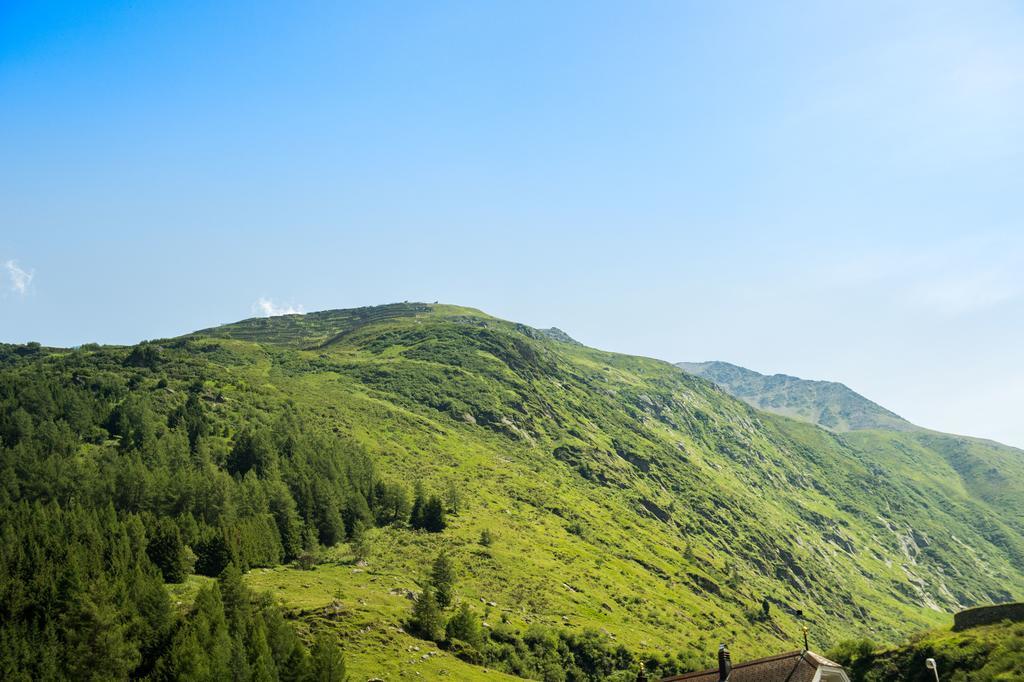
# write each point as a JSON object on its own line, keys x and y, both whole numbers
{"x": 979, "y": 469}
{"x": 628, "y": 501}
{"x": 990, "y": 653}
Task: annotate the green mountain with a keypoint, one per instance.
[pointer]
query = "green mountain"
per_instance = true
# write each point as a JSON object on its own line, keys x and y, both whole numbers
{"x": 825, "y": 403}
{"x": 990, "y": 471}
{"x": 599, "y": 508}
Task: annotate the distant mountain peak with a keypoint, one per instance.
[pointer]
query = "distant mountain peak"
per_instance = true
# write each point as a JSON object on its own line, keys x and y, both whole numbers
{"x": 559, "y": 335}
{"x": 829, "y": 404}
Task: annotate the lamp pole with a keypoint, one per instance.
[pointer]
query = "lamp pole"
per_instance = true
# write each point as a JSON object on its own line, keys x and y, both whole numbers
{"x": 931, "y": 665}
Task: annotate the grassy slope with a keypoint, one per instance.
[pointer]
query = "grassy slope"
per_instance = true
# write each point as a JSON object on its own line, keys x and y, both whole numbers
{"x": 625, "y": 494}
{"x": 983, "y": 469}
{"x": 984, "y": 654}
{"x": 980, "y": 481}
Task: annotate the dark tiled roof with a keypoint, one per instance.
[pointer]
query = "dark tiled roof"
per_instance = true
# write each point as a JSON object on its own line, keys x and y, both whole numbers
{"x": 795, "y": 666}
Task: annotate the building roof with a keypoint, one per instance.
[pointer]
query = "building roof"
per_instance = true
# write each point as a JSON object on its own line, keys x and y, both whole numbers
{"x": 795, "y": 666}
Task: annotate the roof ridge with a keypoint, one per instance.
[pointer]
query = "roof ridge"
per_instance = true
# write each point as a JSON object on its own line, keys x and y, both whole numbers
{"x": 810, "y": 657}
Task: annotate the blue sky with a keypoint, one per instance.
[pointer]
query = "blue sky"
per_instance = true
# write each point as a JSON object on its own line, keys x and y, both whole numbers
{"x": 833, "y": 189}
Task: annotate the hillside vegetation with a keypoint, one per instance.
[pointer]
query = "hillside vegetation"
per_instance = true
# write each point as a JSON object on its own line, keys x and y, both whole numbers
{"x": 991, "y": 653}
{"x": 989, "y": 471}
{"x": 597, "y": 509}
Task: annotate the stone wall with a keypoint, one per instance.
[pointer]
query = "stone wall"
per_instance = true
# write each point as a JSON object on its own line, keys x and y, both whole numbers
{"x": 985, "y": 615}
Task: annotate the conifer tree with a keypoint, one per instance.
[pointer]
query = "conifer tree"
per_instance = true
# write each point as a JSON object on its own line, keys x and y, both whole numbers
{"x": 355, "y": 509}
{"x": 201, "y": 649}
{"x": 426, "y": 615}
{"x": 212, "y": 553}
{"x": 253, "y": 449}
{"x": 166, "y": 549}
{"x": 98, "y": 645}
{"x": 285, "y": 645}
{"x": 236, "y": 599}
{"x": 289, "y": 525}
{"x": 486, "y": 538}
{"x": 419, "y": 501}
{"x": 453, "y": 498}
{"x": 260, "y": 656}
{"x": 434, "y": 520}
{"x": 360, "y": 543}
{"x": 327, "y": 662}
{"x": 239, "y": 661}
{"x": 192, "y": 416}
{"x": 391, "y": 503}
{"x": 442, "y": 579}
{"x": 465, "y": 627}
{"x": 329, "y": 523}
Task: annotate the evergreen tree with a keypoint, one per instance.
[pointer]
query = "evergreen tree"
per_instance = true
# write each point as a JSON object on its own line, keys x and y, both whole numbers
{"x": 79, "y": 598}
{"x": 286, "y": 515}
{"x": 426, "y": 615}
{"x": 442, "y": 579}
{"x": 434, "y": 520}
{"x": 192, "y": 416}
{"x": 465, "y": 627}
{"x": 329, "y": 523}
{"x": 355, "y": 509}
{"x": 260, "y": 656}
{"x": 327, "y": 661}
{"x": 201, "y": 649}
{"x": 145, "y": 479}
{"x": 166, "y": 549}
{"x": 236, "y": 600}
{"x": 98, "y": 646}
{"x": 135, "y": 423}
{"x": 360, "y": 543}
{"x": 453, "y": 498}
{"x": 285, "y": 645}
{"x": 391, "y": 503}
{"x": 213, "y": 553}
{"x": 253, "y": 450}
{"x": 419, "y": 502}
{"x": 486, "y": 538}
{"x": 239, "y": 664}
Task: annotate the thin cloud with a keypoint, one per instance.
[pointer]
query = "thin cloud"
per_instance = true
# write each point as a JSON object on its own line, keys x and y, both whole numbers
{"x": 965, "y": 276}
{"x": 944, "y": 89}
{"x": 21, "y": 279}
{"x": 965, "y": 293}
{"x": 267, "y": 308}
{"x": 948, "y": 280}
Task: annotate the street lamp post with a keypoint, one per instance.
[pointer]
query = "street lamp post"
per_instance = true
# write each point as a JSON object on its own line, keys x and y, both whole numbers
{"x": 931, "y": 665}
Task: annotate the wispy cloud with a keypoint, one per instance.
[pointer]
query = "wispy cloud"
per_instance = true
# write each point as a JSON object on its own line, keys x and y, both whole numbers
{"x": 964, "y": 292}
{"x": 267, "y": 308}
{"x": 21, "y": 279}
{"x": 938, "y": 90}
{"x": 950, "y": 279}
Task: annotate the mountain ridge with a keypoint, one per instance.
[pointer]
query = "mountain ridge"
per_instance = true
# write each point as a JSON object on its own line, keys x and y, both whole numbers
{"x": 829, "y": 404}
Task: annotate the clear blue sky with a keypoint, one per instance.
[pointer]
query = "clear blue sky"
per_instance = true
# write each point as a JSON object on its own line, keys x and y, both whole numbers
{"x": 830, "y": 189}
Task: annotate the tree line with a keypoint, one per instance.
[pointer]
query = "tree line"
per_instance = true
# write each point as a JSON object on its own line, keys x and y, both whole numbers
{"x": 80, "y": 599}
{"x": 120, "y": 471}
